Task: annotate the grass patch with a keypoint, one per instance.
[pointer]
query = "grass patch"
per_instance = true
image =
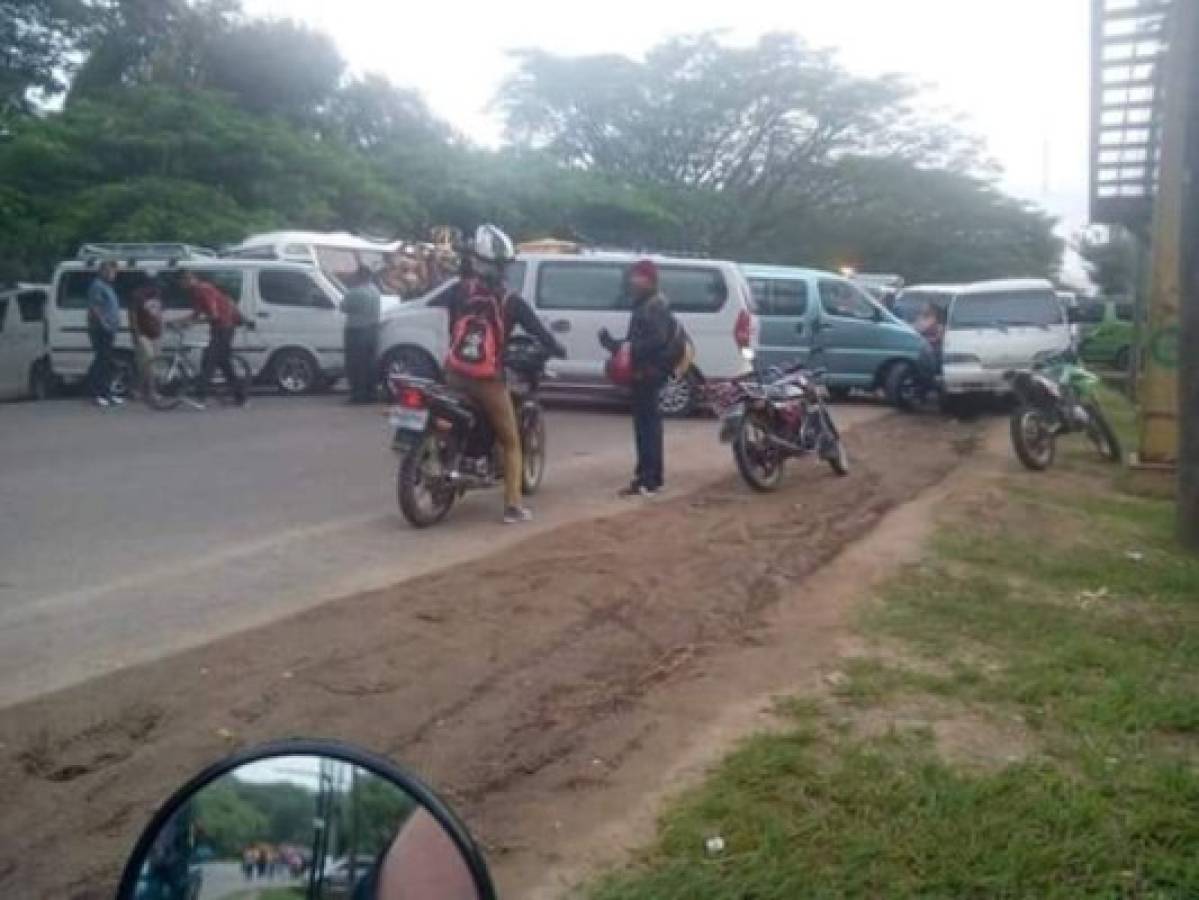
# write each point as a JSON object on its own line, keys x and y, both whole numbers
{"x": 1067, "y": 609}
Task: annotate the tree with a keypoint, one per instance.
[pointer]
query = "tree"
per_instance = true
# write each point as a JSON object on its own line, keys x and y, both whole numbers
{"x": 37, "y": 38}
{"x": 761, "y": 126}
{"x": 1111, "y": 261}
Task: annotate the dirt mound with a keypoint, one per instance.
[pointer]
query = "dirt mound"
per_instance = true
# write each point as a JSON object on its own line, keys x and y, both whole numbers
{"x": 479, "y": 678}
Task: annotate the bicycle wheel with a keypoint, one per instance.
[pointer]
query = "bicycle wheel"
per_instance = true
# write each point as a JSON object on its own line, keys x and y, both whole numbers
{"x": 167, "y": 382}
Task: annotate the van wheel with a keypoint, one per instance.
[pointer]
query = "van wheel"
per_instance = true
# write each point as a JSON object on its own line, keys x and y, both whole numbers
{"x": 900, "y": 386}
{"x": 42, "y": 383}
{"x": 295, "y": 372}
{"x": 123, "y": 373}
{"x": 679, "y": 396}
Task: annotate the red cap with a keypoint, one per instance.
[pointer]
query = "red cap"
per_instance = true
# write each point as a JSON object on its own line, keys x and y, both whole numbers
{"x": 647, "y": 269}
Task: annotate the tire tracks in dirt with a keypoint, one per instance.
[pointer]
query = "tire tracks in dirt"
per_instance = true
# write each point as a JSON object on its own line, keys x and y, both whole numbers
{"x": 498, "y": 681}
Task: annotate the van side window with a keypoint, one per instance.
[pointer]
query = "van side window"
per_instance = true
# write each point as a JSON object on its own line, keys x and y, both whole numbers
{"x": 598, "y": 286}
{"x": 780, "y": 297}
{"x": 32, "y": 305}
{"x": 693, "y": 290}
{"x": 282, "y": 287}
{"x": 1125, "y": 312}
{"x": 839, "y": 298}
{"x": 1090, "y": 312}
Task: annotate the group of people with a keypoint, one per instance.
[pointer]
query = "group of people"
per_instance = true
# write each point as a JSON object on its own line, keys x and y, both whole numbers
{"x": 416, "y": 269}
{"x": 146, "y": 323}
{"x": 482, "y": 316}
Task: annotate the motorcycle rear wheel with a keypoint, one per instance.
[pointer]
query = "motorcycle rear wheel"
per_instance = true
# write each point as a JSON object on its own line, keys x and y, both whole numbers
{"x": 760, "y": 465}
{"x": 1103, "y": 436}
{"x": 1032, "y": 438}
{"x": 425, "y": 499}
{"x": 532, "y": 441}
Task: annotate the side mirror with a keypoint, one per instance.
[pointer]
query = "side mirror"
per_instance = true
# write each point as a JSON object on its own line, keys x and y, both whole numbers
{"x": 309, "y": 819}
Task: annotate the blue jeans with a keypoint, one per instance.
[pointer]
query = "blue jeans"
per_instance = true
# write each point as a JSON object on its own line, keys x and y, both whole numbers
{"x": 99, "y": 373}
{"x": 648, "y": 433}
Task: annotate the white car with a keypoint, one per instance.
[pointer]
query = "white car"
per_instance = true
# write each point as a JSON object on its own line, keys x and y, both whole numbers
{"x": 576, "y": 295}
{"x": 297, "y": 342}
{"x": 996, "y": 326}
{"x": 24, "y": 362}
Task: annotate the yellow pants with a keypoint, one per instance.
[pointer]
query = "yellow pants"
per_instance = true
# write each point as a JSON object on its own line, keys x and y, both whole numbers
{"x": 493, "y": 398}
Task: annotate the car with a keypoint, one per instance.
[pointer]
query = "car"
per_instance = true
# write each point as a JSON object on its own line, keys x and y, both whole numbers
{"x": 1107, "y": 331}
{"x": 297, "y": 343}
{"x": 24, "y": 343}
{"x": 994, "y": 327}
{"x": 828, "y": 321}
{"x": 338, "y": 254}
{"x": 576, "y": 295}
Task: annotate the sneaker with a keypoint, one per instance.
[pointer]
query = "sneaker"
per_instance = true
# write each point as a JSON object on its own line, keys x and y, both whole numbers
{"x": 195, "y": 404}
{"x": 514, "y": 515}
{"x": 116, "y": 401}
{"x": 101, "y": 402}
{"x": 632, "y": 490}
{"x": 650, "y": 492}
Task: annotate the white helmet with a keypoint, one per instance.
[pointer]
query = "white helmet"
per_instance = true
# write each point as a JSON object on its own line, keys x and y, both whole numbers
{"x": 493, "y": 246}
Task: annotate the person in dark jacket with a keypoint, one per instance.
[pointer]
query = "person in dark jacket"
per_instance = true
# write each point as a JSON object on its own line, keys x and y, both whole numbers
{"x": 103, "y": 325}
{"x": 361, "y": 306}
{"x": 651, "y": 337}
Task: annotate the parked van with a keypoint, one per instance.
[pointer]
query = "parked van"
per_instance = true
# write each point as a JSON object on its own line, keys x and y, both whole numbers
{"x": 576, "y": 295}
{"x": 24, "y": 342}
{"x": 297, "y": 343}
{"x": 338, "y": 254}
{"x": 996, "y": 326}
{"x": 830, "y": 322}
{"x": 1107, "y": 331}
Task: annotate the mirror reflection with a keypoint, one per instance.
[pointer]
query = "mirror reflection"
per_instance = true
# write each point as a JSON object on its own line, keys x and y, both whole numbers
{"x": 307, "y": 827}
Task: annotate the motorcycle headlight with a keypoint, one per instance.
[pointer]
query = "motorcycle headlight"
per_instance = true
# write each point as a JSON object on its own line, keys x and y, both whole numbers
{"x": 962, "y": 359}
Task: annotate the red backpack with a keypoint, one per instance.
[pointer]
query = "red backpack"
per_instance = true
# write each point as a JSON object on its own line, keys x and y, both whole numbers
{"x": 477, "y": 340}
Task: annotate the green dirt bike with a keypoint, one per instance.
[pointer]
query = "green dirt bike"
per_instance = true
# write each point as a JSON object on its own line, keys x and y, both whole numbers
{"x": 1057, "y": 396}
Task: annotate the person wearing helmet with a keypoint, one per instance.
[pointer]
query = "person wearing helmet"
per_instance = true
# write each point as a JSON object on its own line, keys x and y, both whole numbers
{"x": 482, "y": 316}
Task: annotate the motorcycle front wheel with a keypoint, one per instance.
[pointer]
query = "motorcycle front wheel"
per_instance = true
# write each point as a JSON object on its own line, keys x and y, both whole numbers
{"x": 1100, "y": 431}
{"x": 760, "y": 464}
{"x": 425, "y": 493}
{"x": 532, "y": 441}
{"x": 1033, "y": 438}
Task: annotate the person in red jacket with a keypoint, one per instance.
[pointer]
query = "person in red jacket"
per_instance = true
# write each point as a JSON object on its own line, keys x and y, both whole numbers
{"x": 212, "y": 305}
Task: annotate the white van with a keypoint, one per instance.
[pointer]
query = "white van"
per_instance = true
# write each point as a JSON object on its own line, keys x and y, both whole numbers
{"x": 297, "y": 343}
{"x": 578, "y": 294}
{"x": 338, "y": 254}
{"x": 24, "y": 363}
{"x": 996, "y": 326}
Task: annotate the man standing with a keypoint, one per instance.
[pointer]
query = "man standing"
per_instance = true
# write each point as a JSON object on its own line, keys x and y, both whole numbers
{"x": 103, "y": 324}
{"x": 210, "y": 304}
{"x": 653, "y": 333}
{"x": 361, "y": 308}
{"x": 145, "y": 325}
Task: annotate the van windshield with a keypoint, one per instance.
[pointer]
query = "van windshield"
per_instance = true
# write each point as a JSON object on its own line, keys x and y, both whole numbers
{"x": 1004, "y": 309}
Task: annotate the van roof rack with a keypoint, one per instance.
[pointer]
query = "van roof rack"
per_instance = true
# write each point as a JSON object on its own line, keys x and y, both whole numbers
{"x": 134, "y": 252}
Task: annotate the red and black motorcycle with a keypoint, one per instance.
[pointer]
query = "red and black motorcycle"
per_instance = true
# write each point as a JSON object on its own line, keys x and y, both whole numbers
{"x": 446, "y": 445}
{"x": 772, "y": 417}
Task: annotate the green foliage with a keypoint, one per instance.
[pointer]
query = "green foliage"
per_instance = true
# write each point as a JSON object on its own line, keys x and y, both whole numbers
{"x": 1111, "y": 262}
{"x": 1072, "y": 669}
{"x": 226, "y": 821}
{"x": 37, "y": 38}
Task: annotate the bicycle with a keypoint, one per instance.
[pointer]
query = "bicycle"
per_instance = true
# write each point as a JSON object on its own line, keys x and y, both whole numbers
{"x": 173, "y": 375}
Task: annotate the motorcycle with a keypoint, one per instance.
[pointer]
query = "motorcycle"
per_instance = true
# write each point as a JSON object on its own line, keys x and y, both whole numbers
{"x": 1056, "y": 397}
{"x": 315, "y": 820}
{"x": 446, "y": 444}
{"x": 769, "y": 419}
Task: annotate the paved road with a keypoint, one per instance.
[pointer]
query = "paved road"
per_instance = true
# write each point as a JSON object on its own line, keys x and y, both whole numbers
{"x": 127, "y": 534}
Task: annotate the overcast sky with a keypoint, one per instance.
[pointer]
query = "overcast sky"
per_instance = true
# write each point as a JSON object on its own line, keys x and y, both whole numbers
{"x": 1017, "y": 69}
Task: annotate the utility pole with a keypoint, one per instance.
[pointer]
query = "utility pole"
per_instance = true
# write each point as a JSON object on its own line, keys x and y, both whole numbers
{"x": 1188, "y": 333}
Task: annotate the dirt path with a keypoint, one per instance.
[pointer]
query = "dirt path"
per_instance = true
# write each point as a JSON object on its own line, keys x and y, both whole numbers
{"x": 525, "y": 685}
